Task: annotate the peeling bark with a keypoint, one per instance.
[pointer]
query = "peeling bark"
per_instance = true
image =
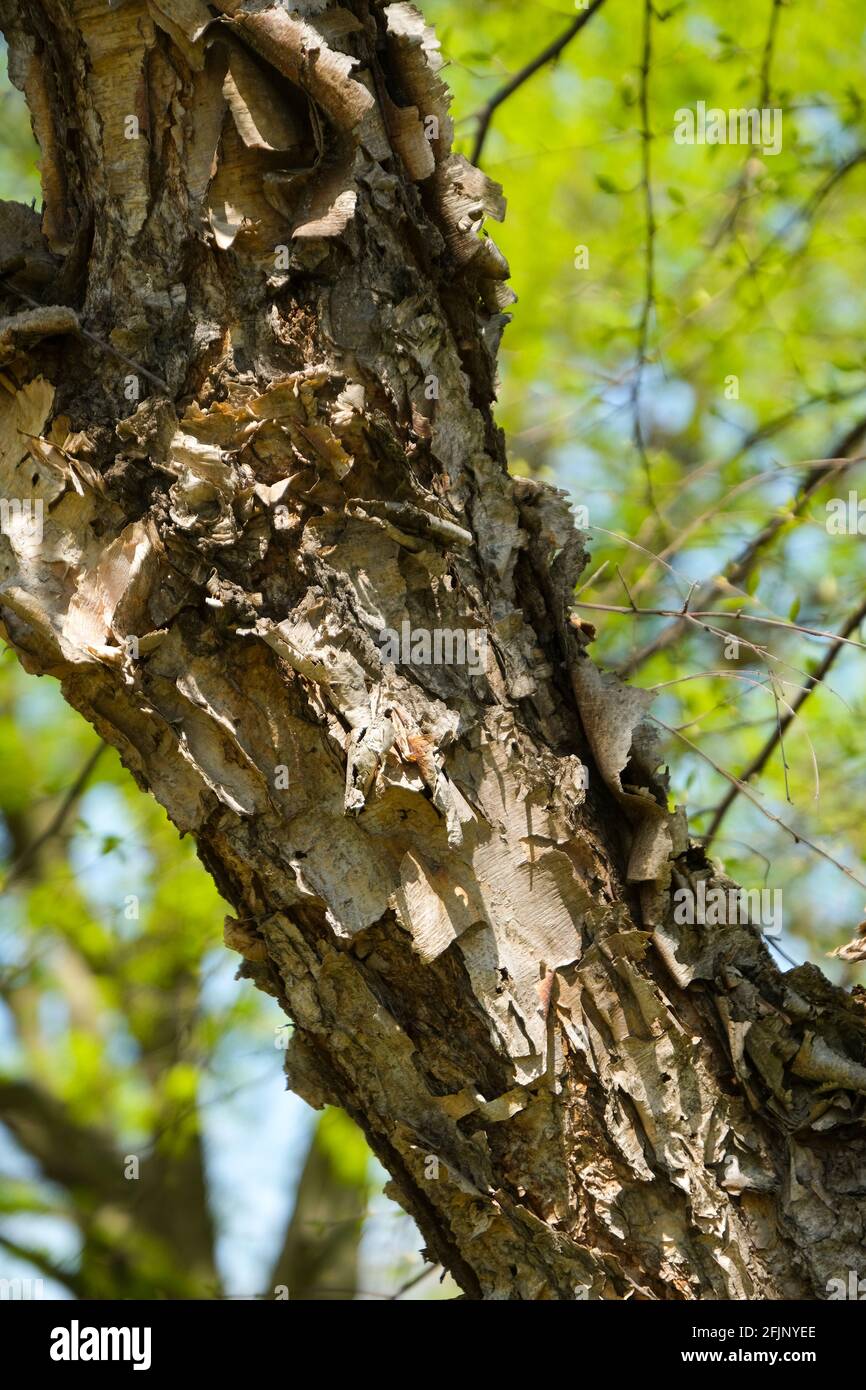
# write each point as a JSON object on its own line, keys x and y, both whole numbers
{"x": 456, "y": 879}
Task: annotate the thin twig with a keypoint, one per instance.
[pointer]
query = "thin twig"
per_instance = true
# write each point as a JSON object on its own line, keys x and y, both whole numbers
{"x": 649, "y": 299}
{"x": 738, "y": 569}
{"x": 547, "y": 55}
{"x": 730, "y": 221}
{"x": 771, "y": 816}
{"x": 776, "y": 947}
{"x": 763, "y": 653}
{"x": 97, "y": 342}
{"x": 713, "y": 466}
{"x": 411, "y": 1283}
{"x": 29, "y": 853}
{"x": 725, "y": 704}
{"x": 804, "y": 212}
{"x": 760, "y": 760}
{"x": 738, "y": 616}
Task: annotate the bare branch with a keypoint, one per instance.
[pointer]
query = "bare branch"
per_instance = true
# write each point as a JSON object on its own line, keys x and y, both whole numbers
{"x": 765, "y": 811}
{"x": 100, "y": 343}
{"x": 649, "y": 256}
{"x": 40, "y": 1260}
{"x": 759, "y": 761}
{"x": 26, "y": 858}
{"x": 738, "y": 616}
{"x": 547, "y": 55}
{"x": 738, "y": 569}
{"x": 744, "y": 182}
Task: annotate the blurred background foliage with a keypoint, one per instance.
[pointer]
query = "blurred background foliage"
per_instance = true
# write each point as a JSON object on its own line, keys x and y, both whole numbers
{"x": 688, "y": 341}
{"x": 690, "y": 441}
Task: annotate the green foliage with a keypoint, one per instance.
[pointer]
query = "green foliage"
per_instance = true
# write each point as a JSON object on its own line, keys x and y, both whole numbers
{"x": 344, "y": 1145}
{"x": 19, "y": 173}
{"x": 110, "y": 941}
{"x": 758, "y": 269}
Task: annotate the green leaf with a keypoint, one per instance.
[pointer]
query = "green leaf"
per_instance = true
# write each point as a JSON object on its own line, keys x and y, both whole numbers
{"x": 606, "y": 184}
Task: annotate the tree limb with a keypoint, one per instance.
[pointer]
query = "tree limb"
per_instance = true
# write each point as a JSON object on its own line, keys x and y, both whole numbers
{"x": 760, "y": 759}
{"x": 547, "y": 55}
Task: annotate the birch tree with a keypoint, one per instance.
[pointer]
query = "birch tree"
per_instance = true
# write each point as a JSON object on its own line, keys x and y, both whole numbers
{"x": 259, "y": 524}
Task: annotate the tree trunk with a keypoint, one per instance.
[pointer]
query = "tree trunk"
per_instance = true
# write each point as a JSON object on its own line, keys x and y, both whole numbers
{"x": 250, "y": 381}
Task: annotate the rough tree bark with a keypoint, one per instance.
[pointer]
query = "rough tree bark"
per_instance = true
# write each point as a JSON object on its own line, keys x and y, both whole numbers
{"x": 458, "y": 885}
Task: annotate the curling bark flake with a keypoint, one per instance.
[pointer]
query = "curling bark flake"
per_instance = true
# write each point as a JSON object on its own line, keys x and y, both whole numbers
{"x": 574, "y": 1096}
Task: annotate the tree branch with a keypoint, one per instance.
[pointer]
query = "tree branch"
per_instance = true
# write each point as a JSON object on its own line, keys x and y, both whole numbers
{"x": 730, "y": 221}
{"x": 759, "y": 761}
{"x": 756, "y": 801}
{"x": 547, "y": 55}
{"x": 649, "y": 253}
{"x": 738, "y": 569}
{"x": 41, "y": 1261}
{"x": 26, "y": 858}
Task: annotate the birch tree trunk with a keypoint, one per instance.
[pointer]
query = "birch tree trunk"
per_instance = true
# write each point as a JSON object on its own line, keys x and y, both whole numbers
{"x": 247, "y": 369}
